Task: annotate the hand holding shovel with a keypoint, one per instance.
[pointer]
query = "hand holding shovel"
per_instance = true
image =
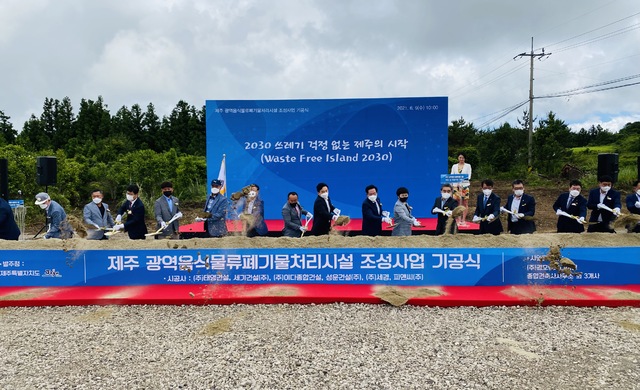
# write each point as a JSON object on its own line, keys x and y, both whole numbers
{"x": 175, "y": 217}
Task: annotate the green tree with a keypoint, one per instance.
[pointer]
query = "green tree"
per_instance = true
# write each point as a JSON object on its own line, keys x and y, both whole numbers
{"x": 549, "y": 140}
{"x": 7, "y": 133}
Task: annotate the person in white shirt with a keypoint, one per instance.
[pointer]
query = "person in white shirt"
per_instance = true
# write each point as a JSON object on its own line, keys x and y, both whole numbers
{"x": 461, "y": 189}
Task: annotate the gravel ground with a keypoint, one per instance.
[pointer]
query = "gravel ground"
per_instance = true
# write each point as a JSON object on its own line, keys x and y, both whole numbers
{"x": 338, "y": 346}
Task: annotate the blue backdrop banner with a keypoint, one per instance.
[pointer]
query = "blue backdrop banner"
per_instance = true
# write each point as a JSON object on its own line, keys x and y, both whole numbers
{"x": 292, "y": 145}
{"x": 391, "y": 266}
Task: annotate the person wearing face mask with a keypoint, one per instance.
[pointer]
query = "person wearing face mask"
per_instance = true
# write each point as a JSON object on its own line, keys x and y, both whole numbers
{"x": 133, "y": 208}
{"x": 324, "y": 211}
{"x": 521, "y": 205}
{"x": 633, "y": 204}
{"x": 372, "y": 213}
{"x": 443, "y": 206}
{"x": 217, "y": 205}
{"x": 59, "y": 227}
{"x": 488, "y": 210}
{"x": 254, "y": 207}
{"x": 164, "y": 209}
{"x": 574, "y": 204}
{"x": 402, "y": 216}
{"x": 96, "y": 214}
{"x": 601, "y": 200}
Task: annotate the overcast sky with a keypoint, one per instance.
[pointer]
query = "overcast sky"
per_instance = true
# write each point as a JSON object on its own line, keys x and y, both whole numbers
{"x": 162, "y": 51}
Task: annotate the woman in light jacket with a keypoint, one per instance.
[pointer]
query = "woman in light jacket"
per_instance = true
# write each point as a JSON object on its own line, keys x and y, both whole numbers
{"x": 461, "y": 189}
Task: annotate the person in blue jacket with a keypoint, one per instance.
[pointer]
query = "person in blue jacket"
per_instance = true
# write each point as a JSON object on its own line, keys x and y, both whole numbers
{"x": 217, "y": 205}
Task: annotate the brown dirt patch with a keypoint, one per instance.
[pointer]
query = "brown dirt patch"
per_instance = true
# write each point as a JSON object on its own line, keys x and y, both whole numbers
{"x": 217, "y": 327}
{"x": 398, "y": 296}
{"x": 628, "y": 325}
{"x": 40, "y": 292}
{"x": 96, "y": 315}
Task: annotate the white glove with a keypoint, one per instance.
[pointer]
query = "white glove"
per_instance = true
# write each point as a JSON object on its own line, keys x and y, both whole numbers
{"x": 437, "y": 210}
{"x": 601, "y": 205}
{"x": 448, "y": 213}
{"x": 198, "y": 219}
{"x": 637, "y": 205}
{"x": 387, "y": 220}
{"x": 309, "y": 216}
{"x": 491, "y": 217}
{"x": 559, "y": 212}
{"x": 118, "y": 227}
{"x": 178, "y": 215}
{"x": 303, "y": 229}
{"x": 616, "y": 211}
{"x": 335, "y": 217}
{"x": 476, "y": 219}
{"x": 119, "y": 218}
{"x": 163, "y": 225}
{"x": 416, "y": 222}
{"x": 520, "y": 215}
{"x": 581, "y": 220}
{"x": 337, "y": 212}
{"x": 386, "y": 213}
{"x": 503, "y": 210}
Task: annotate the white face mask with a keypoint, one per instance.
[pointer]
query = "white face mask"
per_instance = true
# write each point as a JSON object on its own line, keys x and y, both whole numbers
{"x": 130, "y": 198}
{"x": 518, "y": 192}
{"x": 372, "y": 197}
{"x": 251, "y": 194}
{"x": 574, "y": 193}
{"x": 445, "y": 195}
{"x": 97, "y": 200}
{"x": 487, "y": 192}
{"x": 325, "y": 195}
{"x": 606, "y": 189}
{"x": 215, "y": 190}
{"x": 638, "y": 192}
{"x": 43, "y": 206}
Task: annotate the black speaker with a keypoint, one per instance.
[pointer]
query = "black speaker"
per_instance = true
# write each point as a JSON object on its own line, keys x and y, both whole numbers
{"x": 46, "y": 171}
{"x": 4, "y": 179}
{"x": 608, "y": 165}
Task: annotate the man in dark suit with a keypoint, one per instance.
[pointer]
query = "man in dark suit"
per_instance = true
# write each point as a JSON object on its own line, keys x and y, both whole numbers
{"x": 443, "y": 206}
{"x": 372, "y": 214}
{"x": 601, "y": 200}
{"x": 8, "y": 228}
{"x": 574, "y": 204}
{"x": 488, "y": 210}
{"x": 292, "y": 213}
{"x": 324, "y": 211}
{"x": 164, "y": 209}
{"x": 633, "y": 204}
{"x": 134, "y": 209}
{"x": 521, "y": 205}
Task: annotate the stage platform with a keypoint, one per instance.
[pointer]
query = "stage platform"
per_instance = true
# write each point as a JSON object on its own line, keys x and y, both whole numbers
{"x": 353, "y": 228}
{"x": 207, "y": 294}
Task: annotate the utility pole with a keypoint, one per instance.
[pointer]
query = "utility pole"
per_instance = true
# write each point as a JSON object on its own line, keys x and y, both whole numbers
{"x": 531, "y": 55}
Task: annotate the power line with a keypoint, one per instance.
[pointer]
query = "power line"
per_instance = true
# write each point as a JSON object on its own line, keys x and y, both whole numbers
{"x": 600, "y": 38}
{"x": 501, "y": 114}
{"x": 590, "y": 31}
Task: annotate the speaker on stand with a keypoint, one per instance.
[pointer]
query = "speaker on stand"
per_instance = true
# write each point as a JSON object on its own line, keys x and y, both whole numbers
{"x": 4, "y": 179}
{"x": 46, "y": 174}
{"x": 608, "y": 166}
